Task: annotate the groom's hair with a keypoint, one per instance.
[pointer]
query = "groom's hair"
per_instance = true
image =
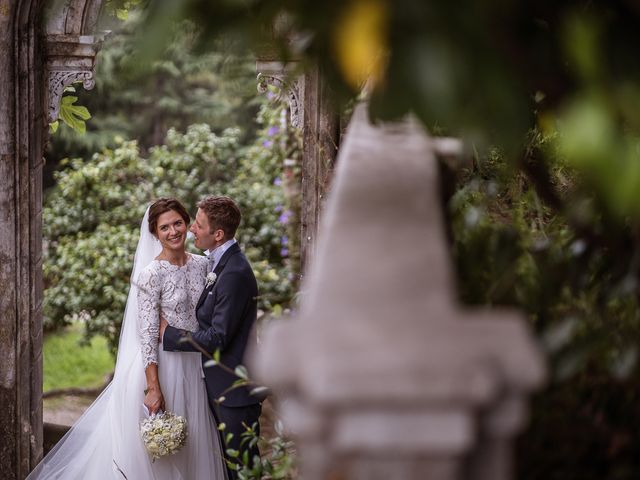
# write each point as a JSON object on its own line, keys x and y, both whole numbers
{"x": 163, "y": 205}
{"x": 222, "y": 213}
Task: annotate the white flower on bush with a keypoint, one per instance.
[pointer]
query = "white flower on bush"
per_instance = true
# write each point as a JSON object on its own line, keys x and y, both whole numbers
{"x": 211, "y": 279}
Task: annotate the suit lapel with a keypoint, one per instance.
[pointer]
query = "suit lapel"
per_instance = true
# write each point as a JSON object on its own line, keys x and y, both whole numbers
{"x": 203, "y": 295}
{"x": 233, "y": 249}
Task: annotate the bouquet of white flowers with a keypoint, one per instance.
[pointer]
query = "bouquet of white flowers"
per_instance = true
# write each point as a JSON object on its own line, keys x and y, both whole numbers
{"x": 163, "y": 434}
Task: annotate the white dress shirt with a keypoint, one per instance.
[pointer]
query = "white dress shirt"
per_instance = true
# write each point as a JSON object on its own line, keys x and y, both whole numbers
{"x": 217, "y": 253}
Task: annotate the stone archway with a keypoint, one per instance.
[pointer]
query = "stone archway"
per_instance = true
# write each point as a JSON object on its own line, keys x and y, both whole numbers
{"x": 37, "y": 61}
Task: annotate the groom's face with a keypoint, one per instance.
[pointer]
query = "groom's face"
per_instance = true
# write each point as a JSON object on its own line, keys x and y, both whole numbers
{"x": 204, "y": 239}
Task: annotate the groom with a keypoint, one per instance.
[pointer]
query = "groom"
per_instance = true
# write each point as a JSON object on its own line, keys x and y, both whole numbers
{"x": 226, "y": 312}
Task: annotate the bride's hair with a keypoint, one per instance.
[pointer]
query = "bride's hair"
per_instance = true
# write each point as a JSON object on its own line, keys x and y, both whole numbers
{"x": 163, "y": 205}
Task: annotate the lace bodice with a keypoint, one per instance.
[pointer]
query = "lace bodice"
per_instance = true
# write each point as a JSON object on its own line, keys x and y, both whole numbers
{"x": 170, "y": 290}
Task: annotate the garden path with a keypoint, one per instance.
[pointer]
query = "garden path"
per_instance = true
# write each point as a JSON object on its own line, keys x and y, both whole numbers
{"x": 65, "y": 409}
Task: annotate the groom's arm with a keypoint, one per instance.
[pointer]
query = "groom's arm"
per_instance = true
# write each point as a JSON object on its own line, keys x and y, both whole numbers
{"x": 231, "y": 303}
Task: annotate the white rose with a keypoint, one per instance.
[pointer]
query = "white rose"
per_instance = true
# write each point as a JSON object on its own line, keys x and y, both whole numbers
{"x": 211, "y": 279}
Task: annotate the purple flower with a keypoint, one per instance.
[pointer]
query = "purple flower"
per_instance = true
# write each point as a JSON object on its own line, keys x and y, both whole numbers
{"x": 267, "y": 143}
{"x": 272, "y": 131}
{"x": 277, "y": 182}
{"x": 270, "y": 95}
{"x": 284, "y": 217}
{"x": 278, "y": 208}
{"x": 284, "y": 252}
{"x": 284, "y": 240}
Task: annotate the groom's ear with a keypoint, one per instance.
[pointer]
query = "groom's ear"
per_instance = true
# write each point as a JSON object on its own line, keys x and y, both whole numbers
{"x": 218, "y": 235}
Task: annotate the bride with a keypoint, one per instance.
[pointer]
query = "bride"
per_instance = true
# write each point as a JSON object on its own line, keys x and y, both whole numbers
{"x": 105, "y": 443}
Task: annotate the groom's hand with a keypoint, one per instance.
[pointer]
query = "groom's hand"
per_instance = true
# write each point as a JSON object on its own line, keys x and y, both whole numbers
{"x": 163, "y": 326}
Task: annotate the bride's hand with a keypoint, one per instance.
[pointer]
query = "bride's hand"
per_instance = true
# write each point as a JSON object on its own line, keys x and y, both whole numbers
{"x": 154, "y": 400}
{"x": 163, "y": 327}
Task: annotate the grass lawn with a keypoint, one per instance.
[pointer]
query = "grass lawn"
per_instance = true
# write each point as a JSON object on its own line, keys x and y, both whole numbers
{"x": 67, "y": 364}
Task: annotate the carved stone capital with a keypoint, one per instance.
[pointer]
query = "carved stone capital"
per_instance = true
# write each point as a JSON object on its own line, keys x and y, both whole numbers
{"x": 69, "y": 59}
{"x": 58, "y": 81}
{"x": 279, "y": 76}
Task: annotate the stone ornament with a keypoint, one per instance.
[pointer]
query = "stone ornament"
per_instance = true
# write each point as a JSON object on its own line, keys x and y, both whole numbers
{"x": 69, "y": 59}
{"x": 58, "y": 81}
{"x": 276, "y": 74}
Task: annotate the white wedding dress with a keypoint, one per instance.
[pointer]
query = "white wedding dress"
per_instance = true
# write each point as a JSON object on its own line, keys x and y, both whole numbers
{"x": 105, "y": 443}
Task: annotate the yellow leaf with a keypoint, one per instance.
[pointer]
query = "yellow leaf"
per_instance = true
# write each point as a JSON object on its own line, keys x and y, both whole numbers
{"x": 360, "y": 41}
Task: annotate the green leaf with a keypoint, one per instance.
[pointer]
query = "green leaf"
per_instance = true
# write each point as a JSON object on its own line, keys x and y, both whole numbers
{"x": 74, "y": 115}
{"x": 231, "y": 465}
{"x": 238, "y": 383}
{"x": 53, "y": 127}
{"x": 232, "y": 453}
{"x": 122, "y": 14}
{"x": 241, "y": 372}
{"x": 259, "y": 390}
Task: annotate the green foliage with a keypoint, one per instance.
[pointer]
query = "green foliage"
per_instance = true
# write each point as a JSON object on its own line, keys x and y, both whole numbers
{"x": 557, "y": 255}
{"x": 182, "y": 87}
{"x": 473, "y": 69}
{"x": 583, "y": 429}
{"x": 88, "y": 274}
{"x": 73, "y": 115}
{"x": 268, "y": 195}
{"x": 70, "y": 362}
{"x": 92, "y": 215}
{"x": 513, "y": 248}
{"x": 121, "y": 8}
{"x": 277, "y": 460}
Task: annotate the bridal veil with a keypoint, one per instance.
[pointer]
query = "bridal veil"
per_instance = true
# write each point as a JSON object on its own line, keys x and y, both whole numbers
{"x": 106, "y": 434}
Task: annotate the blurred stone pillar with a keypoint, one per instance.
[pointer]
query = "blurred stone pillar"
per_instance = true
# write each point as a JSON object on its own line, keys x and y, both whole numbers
{"x": 382, "y": 375}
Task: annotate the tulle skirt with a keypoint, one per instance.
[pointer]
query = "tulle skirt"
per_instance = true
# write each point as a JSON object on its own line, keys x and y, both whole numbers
{"x": 105, "y": 443}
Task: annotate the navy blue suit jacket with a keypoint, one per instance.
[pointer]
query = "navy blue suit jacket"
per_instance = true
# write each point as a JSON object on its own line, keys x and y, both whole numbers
{"x": 226, "y": 313}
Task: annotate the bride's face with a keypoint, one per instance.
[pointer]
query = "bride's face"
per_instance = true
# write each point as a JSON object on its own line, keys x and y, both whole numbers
{"x": 171, "y": 230}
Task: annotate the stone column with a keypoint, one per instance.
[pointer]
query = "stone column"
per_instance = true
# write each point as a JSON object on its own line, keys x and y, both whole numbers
{"x": 25, "y": 70}
{"x": 382, "y": 375}
{"x": 320, "y": 137}
{"x": 21, "y": 143}
{"x": 312, "y": 112}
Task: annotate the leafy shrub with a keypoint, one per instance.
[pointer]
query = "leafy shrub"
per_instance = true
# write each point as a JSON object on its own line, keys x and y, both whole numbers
{"x": 92, "y": 215}
{"x": 550, "y": 248}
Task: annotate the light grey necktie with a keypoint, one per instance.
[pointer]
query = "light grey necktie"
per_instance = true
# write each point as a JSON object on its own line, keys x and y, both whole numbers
{"x": 210, "y": 262}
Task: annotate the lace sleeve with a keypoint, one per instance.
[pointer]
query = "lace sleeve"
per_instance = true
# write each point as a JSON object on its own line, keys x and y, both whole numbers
{"x": 149, "y": 315}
